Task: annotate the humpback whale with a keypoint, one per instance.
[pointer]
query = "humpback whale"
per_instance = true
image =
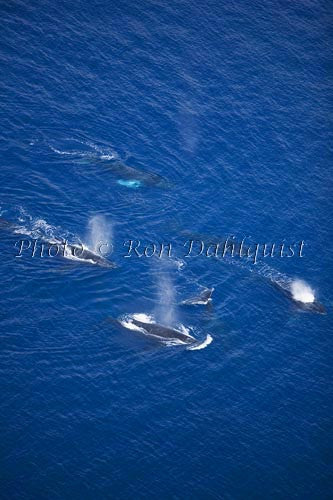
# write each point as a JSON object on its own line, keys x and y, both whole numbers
{"x": 133, "y": 177}
{"x": 162, "y": 332}
{"x": 202, "y": 299}
{"x": 83, "y": 253}
{"x": 301, "y": 295}
{"x": 82, "y": 151}
{"x": 72, "y": 251}
{"x": 147, "y": 325}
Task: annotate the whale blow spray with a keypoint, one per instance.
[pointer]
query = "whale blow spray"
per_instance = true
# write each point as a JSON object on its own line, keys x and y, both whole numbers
{"x": 165, "y": 311}
{"x": 302, "y": 292}
{"x": 99, "y": 238}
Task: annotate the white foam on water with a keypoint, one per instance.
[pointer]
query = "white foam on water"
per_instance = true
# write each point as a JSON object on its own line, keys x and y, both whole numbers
{"x": 40, "y": 229}
{"x": 106, "y": 153}
{"x": 90, "y": 150}
{"x": 59, "y": 152}
{"x": 23, "y": 215}
{"x": 127, "y": 321}
{"x": 203, "y": 345}
{"x": 22, "y": 230}
{"x": 131, "y": 326}
{"x": 302, "y": 292}
{"x": 144, "y": 318}
{"x": 44, "y": 227}
{"x": 107, "y": 157}
{"x": 179, "y": 263}
{"x": 36, "y": 228}
{"x": 186, "y": 331}
{"x": 173, "y": 342}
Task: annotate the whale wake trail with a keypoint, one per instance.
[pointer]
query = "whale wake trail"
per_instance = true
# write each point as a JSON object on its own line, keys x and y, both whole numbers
{"x": 81, "y": 149}
{"x": 271, "y": 274}
{"x": 70, "y": 246}
{"x": 38, "y": 228}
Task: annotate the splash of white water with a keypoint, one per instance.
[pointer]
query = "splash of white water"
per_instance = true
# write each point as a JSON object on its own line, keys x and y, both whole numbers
{"x": 208, "y": 340}
{"x": 144, "y": 318}
{"x": 302, "y": 292}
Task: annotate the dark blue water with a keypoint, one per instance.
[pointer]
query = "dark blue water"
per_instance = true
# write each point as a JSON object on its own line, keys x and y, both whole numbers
{"x": 229, "y": 103}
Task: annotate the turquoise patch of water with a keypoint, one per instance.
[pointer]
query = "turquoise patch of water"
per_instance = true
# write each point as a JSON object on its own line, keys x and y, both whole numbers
{"x": 134, "y": 184}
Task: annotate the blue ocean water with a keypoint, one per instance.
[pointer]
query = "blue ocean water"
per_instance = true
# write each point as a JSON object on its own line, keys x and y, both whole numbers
{"x": 227, "y": 104}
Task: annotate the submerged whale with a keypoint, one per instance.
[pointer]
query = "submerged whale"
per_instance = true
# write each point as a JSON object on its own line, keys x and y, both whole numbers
{"x": 133, "y": 177}
{"x": 202, "y": 299}
{"x": 126, "y": 175}
{"x": 301, "y": 295}
{"x": 71, "y": 251}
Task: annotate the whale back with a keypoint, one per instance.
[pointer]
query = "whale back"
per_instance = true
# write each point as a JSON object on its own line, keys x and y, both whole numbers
{"x": 163, "y": 331}
{"x": 126, "y": 172}
{"x": 203, "y": 299}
